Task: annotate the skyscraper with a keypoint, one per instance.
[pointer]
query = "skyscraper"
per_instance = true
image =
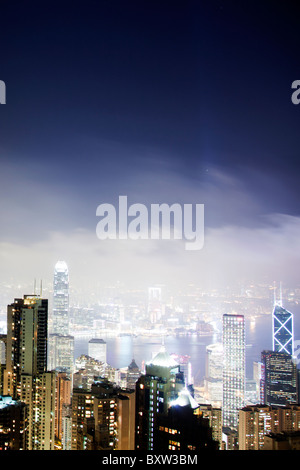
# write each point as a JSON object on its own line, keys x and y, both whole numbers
{"x": 60, "y": 317}
{"x": 283, "y": 330}
{"x": 26, "y": 377}
{"x": 279, "y": 378}
{"x": 61, "y": 343}
{"x": 233, "y": 368}
{"x": 26, "y": 346}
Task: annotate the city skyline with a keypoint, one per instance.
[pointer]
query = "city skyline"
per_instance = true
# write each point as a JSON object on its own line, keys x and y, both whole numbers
{"x": 149, "y": 185}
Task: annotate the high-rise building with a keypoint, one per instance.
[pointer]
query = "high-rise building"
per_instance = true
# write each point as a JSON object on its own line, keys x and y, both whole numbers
{"x": 60, "y": 317}
{"x": 213, "y": 380}
{"x": 61, "y": 343}
{"x": 103, "y": 419}
{"x": 61, "y": 353}
{"x": 279, "y": 378}
{"x": 26, "y": 376}
{"x": 155, "y": 390}
{"x": 283, "y": 330}
{"x": 233, "y": 368}
{"x": 257, "y": 421}
{"x": 214, "y": 416}
{"x": 183, "y": 428}
{"x": 26, "y": 345}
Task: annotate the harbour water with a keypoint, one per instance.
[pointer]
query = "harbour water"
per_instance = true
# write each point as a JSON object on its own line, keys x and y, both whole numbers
{"x": 122, "y": 349}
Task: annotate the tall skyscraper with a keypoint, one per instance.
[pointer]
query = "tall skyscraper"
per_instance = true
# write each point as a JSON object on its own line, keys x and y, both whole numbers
{"x": 233, "y": 368}
{"x": 26, "y": 344}
{"x": 279, "y": 378}
{"x": 283, "y": 329}
{"x": 61, "y": 343}
{"x": 60, "y": 317}
{"x": 26, "y": 377}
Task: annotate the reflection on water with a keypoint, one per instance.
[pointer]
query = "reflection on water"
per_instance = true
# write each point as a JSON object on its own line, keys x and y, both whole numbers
{"x": 121, "y": 350}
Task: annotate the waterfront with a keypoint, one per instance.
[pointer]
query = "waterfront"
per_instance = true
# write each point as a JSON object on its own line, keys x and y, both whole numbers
{"x": 122, "y": 349}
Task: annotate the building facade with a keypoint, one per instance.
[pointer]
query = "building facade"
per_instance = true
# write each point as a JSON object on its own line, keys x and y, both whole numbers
{"x": 283, "y": 330}
{"x": 233, "y": 368}
{"x": 279, "y": 378}
{"x": 26, "y": 377}
{"x": 161, "y": 384}
{"x": 61, "y": 343}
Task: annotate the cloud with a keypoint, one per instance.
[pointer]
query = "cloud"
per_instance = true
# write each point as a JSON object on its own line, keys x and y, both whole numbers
{"x": 230, "y": 254}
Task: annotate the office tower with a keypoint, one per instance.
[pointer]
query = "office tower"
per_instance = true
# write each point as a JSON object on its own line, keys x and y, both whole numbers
{"x": 13, "y": 424}
{"x": 279, "y": 378}
{"x": 61, "y": 353}
{"x": 97, "y": 349}
{"x": 250, "y": 392}
{"x": 155, "y": 390}
{"x": 183, "y": 428}
{"x": 233, "y": 368}
{"x": 26, "y": 377}
{"x": 257, "y": 374}
{"x": 61, "y": 343}
{"x": 60, "y": 317}
{"x": 213, "y": 380}
{"x": 283, "y": 330}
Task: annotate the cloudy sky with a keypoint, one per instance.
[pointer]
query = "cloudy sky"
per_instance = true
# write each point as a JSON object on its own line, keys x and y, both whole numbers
{"x": 183, "y": 101}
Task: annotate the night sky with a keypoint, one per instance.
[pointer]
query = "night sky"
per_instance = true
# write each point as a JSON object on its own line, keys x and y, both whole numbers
{"x": 182, "y": 101}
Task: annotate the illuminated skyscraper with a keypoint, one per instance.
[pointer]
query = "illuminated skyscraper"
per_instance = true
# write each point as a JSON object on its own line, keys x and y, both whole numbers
{"x": 60, "y": 317}
{"x": 233, "y": 368}
{"x": 283, "y": 330}
{"x": 61, "y": 344}
{"x": 26, "y": 351}
{"x": 26, "y": 377}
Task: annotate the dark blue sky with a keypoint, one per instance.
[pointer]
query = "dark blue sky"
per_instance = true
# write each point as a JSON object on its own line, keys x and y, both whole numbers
{"x": 185, "y": 101}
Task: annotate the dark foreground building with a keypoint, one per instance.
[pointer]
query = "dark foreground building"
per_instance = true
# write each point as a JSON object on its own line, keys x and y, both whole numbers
{"x": 184, "y": 428}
